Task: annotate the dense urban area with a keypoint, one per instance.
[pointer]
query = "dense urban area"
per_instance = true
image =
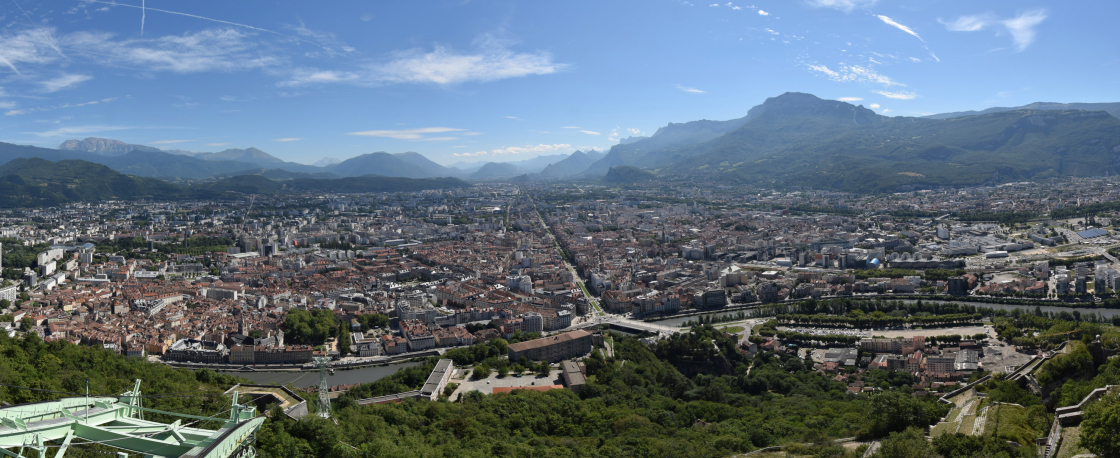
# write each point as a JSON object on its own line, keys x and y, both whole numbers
{"x": 677, "y": 318}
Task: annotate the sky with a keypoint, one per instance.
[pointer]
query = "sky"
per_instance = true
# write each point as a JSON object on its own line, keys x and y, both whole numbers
{"x": 477, "y": 80}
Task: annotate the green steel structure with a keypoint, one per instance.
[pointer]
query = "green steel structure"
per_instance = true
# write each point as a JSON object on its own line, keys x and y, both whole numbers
{"x": 119, "y": 423}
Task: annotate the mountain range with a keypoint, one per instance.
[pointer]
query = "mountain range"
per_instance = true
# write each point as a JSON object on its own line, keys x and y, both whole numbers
{"x": 793, "y": 139}
{"x": 37, "y": 182}
{"x": 800, "y": 139}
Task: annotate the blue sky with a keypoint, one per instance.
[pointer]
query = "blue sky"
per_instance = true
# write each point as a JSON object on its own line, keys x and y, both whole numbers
{"x": 507, "y": 80}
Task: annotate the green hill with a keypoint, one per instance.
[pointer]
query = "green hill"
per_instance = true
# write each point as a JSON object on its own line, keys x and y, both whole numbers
{"x": 800, "y": 139}
{"x": 624, "y": 174}
{"x": 39, "y": 182}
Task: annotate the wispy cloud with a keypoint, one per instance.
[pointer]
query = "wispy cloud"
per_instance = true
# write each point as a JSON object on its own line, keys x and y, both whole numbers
{"x": 850, "y": 99}
{"x": 168, "y": 142}
{"x": 73, "y": 130}
{"x": 512, "y": 117}
{"x": 763, "y": 13}
{"x": 14, "y": 112}
{"x": 873, "y": 106}
{"x": 492, "y": 60}
{"x": 406, "y": 134}
{"x": 206, "y": 50}
{"x": 571, "y": 127}
{"x": 1022, "y": 27}
{"x": 691, "y": 90}
{"x": 287, "y": 139}
{"x": 900, "y": 95}
{"x": 893, "y": 23}
{"x": 854, "y": 73}
{"x": 590, "y": 132}
{"x": 217, "y": 144}
{"x": 842, "y": 5}
{"x": 474, "y": 154}
{"x": 541, "y": 148}
{"x": 65, "y": 81}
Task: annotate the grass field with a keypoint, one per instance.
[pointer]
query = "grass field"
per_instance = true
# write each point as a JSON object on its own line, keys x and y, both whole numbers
{"x": 1071, "y": 444}
{"x": 733, "y": 329}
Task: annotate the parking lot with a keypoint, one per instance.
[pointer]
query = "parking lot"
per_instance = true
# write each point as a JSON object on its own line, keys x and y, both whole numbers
{"x": 487, "y": 385}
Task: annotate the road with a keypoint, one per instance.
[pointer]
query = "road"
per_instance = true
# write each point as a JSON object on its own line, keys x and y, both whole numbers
{"x": 556, "y": 244}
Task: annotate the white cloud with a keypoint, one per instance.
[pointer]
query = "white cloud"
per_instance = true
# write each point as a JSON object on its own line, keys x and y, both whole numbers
{"x": 901, "y": 95}
{"x": 445, "y": 66}
{"x": 634, "y": 131}
{"x": 855, "y": 73}
{"x": 203, "y": 51}
{"x": 970, "y": 23}
{"x": 31, "y": 46}
{"x": 772, "y": 32}
{"x": 763, "y": 13}
{"x": 886, "y": 110}
{"x": 65, "y": 81}
{"x": 169, "y": 142}
{"x": 438, "y": 139}
{"x": 571, "y": 127}
{"x": 934, "y": 57}
{"x": 302, "y": 76}
{"x": 892, "y": 23}
{"x": 287, "y": 139}
{"x": 691, "y": 90}
{"x": 842, "y": 5}
{"x": 476, "y": 153}
{"x": 873, "y": 106}
{"x": 79, "y": 130}
{"x": 512, "y": 117}
{"x": 493, "y": 60}
{"x": 406, "y": 134}
{"x": 590, "y": 132}
{"x": 850, "y": 99}
{"x": 217, "y": 144}
{"x": 542, "y": 148}
{"x": 1021, "y": 27}
{"x": 14, "y": 112}
{"x": 915, "y": 59}
{"x": 7, "y": 105}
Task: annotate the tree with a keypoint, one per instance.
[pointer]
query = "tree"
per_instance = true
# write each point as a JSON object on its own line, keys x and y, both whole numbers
{"x": 480, "y": 372}
{"x": 907, "y": 444}
{"x": 26, "y": 324}
{"x": 1100, "y": 430}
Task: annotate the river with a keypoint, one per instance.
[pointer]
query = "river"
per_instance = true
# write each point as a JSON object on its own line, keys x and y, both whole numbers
{"x": 340, "y": 377}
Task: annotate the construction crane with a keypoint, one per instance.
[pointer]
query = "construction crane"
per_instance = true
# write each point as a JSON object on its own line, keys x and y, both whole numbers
{"x": 118, "y": 422}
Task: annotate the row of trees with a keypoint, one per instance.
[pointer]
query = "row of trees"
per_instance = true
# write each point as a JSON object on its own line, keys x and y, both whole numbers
{"x": 866, "y": 321}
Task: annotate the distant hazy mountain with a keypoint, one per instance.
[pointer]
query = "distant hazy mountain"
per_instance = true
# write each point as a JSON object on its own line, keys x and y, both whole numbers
{"x": 164, "y": 165}
{"x": 630, "y": 139}
{"x": 531, "y": 165}
{"x": 410, "y": 165}
{"x": 103, "y": 146}
{"x": 494, "y": 170}
{"x": 573, "y": 165}
{"x": 1112, "y": 109}
{"x": 326, "y": 161}
{"x": 825, "y": 144}
{"x": 670, "y": 136}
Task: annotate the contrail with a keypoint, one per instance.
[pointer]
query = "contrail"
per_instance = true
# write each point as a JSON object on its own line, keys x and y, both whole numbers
{"x": 206, "y": 19}
{"x": 143, "y": 14}
{"x": 5, "y": 61}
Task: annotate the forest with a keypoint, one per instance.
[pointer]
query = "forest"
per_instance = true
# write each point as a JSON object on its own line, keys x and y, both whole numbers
{"x": 692, "y": 394}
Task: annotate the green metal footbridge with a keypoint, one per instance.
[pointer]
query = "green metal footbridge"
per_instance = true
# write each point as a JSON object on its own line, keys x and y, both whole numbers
{"x": 118, "y": 422}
